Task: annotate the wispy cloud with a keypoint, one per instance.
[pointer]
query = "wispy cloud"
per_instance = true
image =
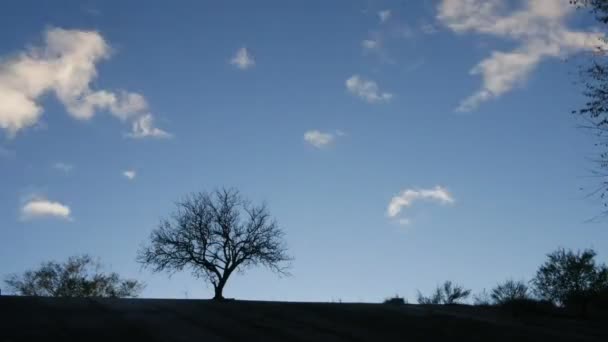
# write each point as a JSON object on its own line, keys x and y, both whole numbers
{"x": 366, "y": 89}
{"x": 407, "y": 197}
{"x": 43, "y": 208}
{"x": 65, "y": 66}
{"x": 144, "y": 127}
{"x": 320, "y": 139}
{"x": 384, "y": 15}
{"x": 129, "y": 174}
{"x": 64, "y": 167}
{"x": 370, "y": 44}
{"x": 538, "y": 27}
{"x": 243, "y": 59}
{"x": 428, "y": 28}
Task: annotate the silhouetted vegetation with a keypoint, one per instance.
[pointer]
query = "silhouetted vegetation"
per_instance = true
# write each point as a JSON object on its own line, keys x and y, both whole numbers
{"x": 447, "y": 293}
{"x": 595, "y": 110}
{"x": 597, "y": 7}
{"x": 509, "y": 290}
{"x": 213, "y": 235}
{"x": 482, "y": 298}
{"x": 396, "y": 300}
{"x": 79, "y": 276}
{"x": 571, "y": 279}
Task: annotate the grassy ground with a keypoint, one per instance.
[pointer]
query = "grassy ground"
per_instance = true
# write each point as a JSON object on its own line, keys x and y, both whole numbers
{"x": 42, "y": 319}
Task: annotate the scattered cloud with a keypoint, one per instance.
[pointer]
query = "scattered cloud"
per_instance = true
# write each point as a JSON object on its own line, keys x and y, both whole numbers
{"x": 243, "y": 59}
{"x": 43, "y": 208}
{"x": 370, "y": 44}
{"x": 65, "y": 66}
{"x": 538, "y": 27}
{"x": 407, "y": 197}
{"x": 428, "y": 28}
{"x": 320, "y": 139}
{"x": 130, "y": 174}
{"x": 64, "y": 167}
{"x": 143, "y": 127}
{"x": 366, "y": 89}
{"x": 384, "y": 15}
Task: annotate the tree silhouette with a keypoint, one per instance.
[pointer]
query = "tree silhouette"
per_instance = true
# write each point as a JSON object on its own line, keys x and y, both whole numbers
{"x": 213, "y": 235}
{"x": 79, "y": 276}
{"x": 568, "y": 277}
{"x": 594, "y": 112}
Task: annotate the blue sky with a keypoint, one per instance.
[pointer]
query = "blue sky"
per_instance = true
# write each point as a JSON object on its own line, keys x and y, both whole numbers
{"x": 399, "y": 144}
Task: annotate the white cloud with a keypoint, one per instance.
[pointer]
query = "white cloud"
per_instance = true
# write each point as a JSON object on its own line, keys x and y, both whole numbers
{"x": 405, "y": 199}
{"x": 143, "y": 127}
{"x": 65, "y": 66}
{"x": 370, "y": 44}
{"x": 40, "y": 208}
{"x": 243, "y": 59}
{"x": 384, "y": 15}
{"x": 320, "y": 139}
{"x": 65, "y": 167}
{"x": 366, "y": 89}
{"x": 538, "y": 28}
{"x": 129, "y": 174}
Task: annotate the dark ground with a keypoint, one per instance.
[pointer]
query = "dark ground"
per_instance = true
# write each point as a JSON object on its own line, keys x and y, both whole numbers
{"x": 49, "y": 319}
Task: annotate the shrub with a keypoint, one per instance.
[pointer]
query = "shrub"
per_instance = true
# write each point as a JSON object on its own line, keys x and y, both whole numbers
{"x": 396, "y": 300}
{"x": 482, "y": 298}
{"x": 508, "y": 291}
{"x": 448, "y": 293}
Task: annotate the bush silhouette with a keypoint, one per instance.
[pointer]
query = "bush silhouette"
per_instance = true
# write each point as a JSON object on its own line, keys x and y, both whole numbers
{"x": 508, "y": 291}
{"x": 396, "y": 300}
{"x": 448, "y": 293}
{"x": 79, "y": 276}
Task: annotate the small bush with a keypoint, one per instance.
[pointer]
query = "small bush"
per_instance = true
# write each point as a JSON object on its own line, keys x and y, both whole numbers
{"x": 482, "y": 298}
{"x": 395, "y": 300}
{"x": 508, "y": 291}
{"x": 448, "y": 293}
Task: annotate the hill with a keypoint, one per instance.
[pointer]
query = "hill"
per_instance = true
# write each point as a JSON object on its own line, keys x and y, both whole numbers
{"x": 70, "y": 319}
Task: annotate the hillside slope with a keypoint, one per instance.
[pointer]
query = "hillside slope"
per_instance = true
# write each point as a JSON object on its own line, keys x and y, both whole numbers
{"x": 38, "y": 319}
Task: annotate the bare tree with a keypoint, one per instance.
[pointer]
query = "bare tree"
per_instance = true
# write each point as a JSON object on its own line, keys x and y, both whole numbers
{"x": 213, "y": 235}
{"x": 79, "y": 276}
{"x": 594, "y": 112}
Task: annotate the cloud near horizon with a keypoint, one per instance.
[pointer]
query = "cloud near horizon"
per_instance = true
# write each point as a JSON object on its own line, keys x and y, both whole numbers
{"x": 407, "y": 197}
{"x": 538, "y": 27}
{"x": 65, "y": 65}
{"x": 43, "y": 208}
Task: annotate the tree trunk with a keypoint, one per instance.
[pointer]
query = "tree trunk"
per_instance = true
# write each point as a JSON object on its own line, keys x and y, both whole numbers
{"x": 219, "y": 289}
